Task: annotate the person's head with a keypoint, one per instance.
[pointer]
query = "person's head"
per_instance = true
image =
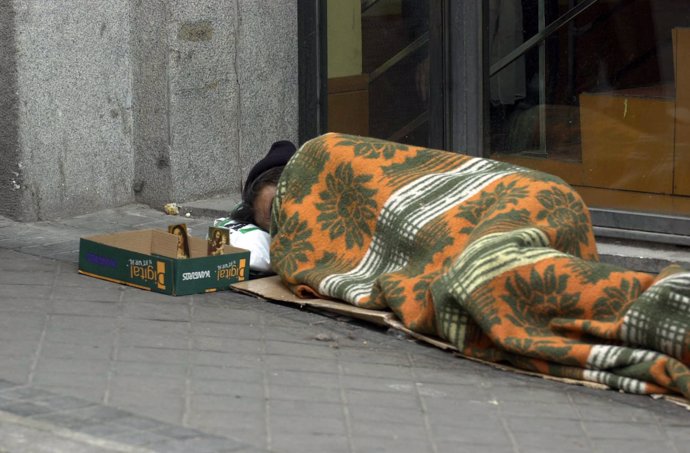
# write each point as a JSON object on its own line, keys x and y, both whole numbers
{"x": 260, "y": 188}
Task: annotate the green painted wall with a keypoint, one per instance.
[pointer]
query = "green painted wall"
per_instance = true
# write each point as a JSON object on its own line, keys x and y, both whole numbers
{"x": 344, "y": 38}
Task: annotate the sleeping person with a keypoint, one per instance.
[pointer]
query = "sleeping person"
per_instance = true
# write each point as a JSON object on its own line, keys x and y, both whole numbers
{"x": 250, "y": 221}
{"x": 497, "y": 259}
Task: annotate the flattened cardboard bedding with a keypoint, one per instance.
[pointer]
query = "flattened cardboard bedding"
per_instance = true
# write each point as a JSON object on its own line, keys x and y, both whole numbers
{"x": 271, "y": 288}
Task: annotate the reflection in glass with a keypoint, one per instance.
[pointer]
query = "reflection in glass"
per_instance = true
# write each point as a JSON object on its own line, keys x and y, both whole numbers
{"x": 378, "y": 66}
{"x": 599, "y": 99}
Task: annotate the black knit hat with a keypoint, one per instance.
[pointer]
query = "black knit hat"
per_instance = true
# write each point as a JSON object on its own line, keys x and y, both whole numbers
{"x": 279, "y": 155}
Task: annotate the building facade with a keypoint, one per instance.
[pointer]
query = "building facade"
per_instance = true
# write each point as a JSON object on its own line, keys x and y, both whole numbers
{"x": 104, "y": 103}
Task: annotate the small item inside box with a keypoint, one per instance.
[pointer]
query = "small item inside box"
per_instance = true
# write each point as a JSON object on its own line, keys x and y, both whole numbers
{"x": 217, "y": 239}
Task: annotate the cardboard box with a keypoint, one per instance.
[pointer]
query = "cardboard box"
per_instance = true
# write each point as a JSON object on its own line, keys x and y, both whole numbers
{"x": 146, "y": 259}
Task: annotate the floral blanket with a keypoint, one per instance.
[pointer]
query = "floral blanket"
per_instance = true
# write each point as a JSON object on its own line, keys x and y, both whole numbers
{"x": 497, "y": 259}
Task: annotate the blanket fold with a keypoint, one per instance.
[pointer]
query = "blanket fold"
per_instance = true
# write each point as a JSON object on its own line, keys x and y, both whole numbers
{"x": 497, "y": 259}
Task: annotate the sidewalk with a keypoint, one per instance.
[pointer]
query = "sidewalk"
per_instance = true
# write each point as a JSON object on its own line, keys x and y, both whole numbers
{"x": 89, "y": 365}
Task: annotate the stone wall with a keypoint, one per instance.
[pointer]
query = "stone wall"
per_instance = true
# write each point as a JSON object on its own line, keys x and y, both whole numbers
{"x": 10, "y": 173}
{"x": 110, "y": 102}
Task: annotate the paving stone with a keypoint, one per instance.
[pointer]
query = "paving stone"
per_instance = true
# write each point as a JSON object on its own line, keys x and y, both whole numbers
{"x": 50, "y": 250}
{"x": 133, "y": 369}
{"x": 472, "y": 413}
{"x": 142, "y": 438}
{"x": 90, "y": 388}
{"x": 137, "y": 296}
{"x": 554, "y": 441}
{"x": 74, "y": 364}
{"x": 24, "y": 304}
{"x": 14, "y": 437}
{"x": 614, "y": 412}
{"x": 302, "y": 424}
{"x": 154, "y": 355}
{"x": 225, "y": 315}
{"x": 307, "y": 394}
{"x": 23, "y": 408}
{"x": 630, "y": 431}
{"x": 157, "y": 311}
{"x": 81, "y": 337}
{"x": 95, "y": 324}
{"x": 307, "y": 408}
{"x": 69, "y": 421}
{"x": 377, "y": 370}
{"x": 547, "y": 396}
{"x": 678, "y": 436}
{"x": 221, "y": 358}
{"x": 235, "y": 331}
{"x": 386, "y": 400}
{"x": 86, "y": 308}
{"x": 202, "y": 445}
{"x": 318, "y": 351}
{"x": 378, "y": 384}
{"x": 110, "y": 293}
{"x": 109, "y": 430}
{"x": 148, "y": 385}
{"x": 563, "y": 426}
{"x": 454, "y": 447}
{"x": 551, "y": 410}
{"x": 162, "y": 409}
{"x": 165, "y": 341}
{"x": 310, "y": 379}
{"x": 135, "y": 422}
{"x": 228, "y": 388}
{"x": 23, "y": 393}
{"x": 15, "y": 368}
{"x": 373, "y": 413}
{"x": 452, "y": 376}
{"x": 21, "y": 325}
{"x": 76, "y": 352}
{"x": 254, "y": 436}
{"x": 37, "y": 277}
{"x": 225, "y": 403}
{"x": 490, "y": 434}
{"x": 363, "y": 444}
{"x": 387, "y": 430}
{"x": 156, "y": 327}
{"x": 59, "y": 403}
{"x": 229, "y": 372}
{"x": 305, "y": 364}
{"x": 232, "y": 421}
{"x": 67, "y": 257}
{"x": 220, "y": 344}
{"x": 177, "y": 432}
{"x": 331, "y": 444}
{"x": 18, "y": 347}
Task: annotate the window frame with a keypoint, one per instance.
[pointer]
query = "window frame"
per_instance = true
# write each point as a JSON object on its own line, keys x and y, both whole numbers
{"x": 460, "y": 94}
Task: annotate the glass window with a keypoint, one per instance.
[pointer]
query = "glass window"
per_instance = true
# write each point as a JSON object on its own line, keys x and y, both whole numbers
{"x": 378, "y": 69}
{"x": 597, "y": 92}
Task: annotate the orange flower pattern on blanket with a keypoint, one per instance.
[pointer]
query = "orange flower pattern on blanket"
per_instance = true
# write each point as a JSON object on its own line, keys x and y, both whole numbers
{"x": 497, "y": 259}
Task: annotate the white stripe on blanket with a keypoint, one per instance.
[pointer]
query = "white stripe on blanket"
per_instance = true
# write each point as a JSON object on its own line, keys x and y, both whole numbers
{"x": 384, "y": 257}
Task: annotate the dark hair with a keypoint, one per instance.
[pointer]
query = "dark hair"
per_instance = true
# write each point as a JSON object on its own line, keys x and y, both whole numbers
{"x": 244, "y": 212}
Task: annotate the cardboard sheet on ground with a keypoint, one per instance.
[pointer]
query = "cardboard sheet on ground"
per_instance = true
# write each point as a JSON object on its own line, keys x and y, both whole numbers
{"x": 272, "y": 289}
